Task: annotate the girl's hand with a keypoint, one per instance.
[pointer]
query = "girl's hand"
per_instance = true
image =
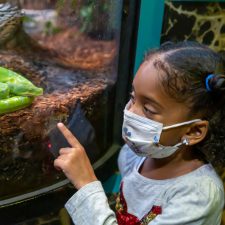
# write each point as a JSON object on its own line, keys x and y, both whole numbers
{"x": 74, "y": 161}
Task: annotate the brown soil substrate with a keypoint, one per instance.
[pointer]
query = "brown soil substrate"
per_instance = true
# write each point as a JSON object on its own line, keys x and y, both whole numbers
{"x": 59, "y": 98}
{"x": 77, "y": 50}
{"x": 49, "y": 106}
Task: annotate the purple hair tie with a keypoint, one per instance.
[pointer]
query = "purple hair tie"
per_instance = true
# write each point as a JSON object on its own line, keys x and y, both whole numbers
{"x": 208, "y": 88}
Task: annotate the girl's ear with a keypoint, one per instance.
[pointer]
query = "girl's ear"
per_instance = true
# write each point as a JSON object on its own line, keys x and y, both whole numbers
{"x": 196, "y": 132}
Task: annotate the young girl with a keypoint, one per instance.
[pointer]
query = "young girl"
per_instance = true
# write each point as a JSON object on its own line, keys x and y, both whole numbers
{"x": 173, "y": 127}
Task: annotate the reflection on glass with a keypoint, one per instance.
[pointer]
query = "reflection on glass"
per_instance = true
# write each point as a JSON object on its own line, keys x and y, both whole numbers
{"x": 70, "y": 50}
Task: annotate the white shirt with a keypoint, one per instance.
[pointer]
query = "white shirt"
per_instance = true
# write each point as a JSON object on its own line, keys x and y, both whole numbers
{"x": 196, "y": 198}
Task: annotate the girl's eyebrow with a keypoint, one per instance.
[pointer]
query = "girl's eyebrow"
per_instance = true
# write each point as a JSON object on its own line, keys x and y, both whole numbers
{"x": 158, "y": 105}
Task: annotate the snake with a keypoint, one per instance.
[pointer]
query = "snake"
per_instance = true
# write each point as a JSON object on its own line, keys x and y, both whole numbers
{"x": 16, "y": 92}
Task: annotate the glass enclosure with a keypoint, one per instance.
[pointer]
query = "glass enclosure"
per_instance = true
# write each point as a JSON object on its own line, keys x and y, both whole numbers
{"x": 69, "y": 49}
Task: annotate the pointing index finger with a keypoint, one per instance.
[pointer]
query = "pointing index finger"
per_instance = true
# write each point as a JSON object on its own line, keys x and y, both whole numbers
{"x": 68, "y": 135}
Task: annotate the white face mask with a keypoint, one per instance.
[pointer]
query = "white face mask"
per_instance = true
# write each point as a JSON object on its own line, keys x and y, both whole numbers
{"x": 142, "y": 135}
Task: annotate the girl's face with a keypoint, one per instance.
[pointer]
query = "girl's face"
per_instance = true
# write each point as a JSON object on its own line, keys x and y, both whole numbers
{"x": 150, "y": 100}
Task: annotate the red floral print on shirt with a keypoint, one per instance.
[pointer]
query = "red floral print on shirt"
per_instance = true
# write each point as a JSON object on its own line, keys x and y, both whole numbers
{"x": 125, "y": 218}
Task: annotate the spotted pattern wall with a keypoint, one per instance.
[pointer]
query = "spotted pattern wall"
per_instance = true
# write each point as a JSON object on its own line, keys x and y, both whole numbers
{"x": 203, "y": 22}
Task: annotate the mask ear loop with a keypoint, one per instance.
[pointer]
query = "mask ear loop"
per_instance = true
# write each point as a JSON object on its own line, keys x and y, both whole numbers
{"x": 181, "y": 124}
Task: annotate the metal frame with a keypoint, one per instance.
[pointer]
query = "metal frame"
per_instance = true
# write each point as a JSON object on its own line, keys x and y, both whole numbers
{"x": 128, "y": 41}
{"x": 149, "y": 30}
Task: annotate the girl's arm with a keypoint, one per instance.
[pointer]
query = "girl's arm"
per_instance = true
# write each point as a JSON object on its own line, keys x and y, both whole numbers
{"x": 89, "y": 205}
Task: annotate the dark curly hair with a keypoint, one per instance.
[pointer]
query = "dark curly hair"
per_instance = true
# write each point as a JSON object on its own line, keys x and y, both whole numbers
{"x": 186, "y": 66}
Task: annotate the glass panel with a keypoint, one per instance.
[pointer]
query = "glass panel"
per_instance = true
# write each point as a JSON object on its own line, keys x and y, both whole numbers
{"x": 69, "y": 48}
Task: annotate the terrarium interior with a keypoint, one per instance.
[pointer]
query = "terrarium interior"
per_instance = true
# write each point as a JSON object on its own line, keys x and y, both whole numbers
{"x": 70, "y": 50}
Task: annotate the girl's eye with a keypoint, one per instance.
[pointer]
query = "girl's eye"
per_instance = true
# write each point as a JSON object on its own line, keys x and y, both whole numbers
{"x": 149, "y": 111}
